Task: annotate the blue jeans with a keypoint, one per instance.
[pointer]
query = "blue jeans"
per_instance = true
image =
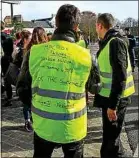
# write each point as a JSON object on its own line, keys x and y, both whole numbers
{"x": 26, "y": 112}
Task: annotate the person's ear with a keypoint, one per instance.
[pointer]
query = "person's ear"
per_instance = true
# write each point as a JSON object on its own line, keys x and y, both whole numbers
{"x": 99, "y": 26}
{"x": 76, "y": 27}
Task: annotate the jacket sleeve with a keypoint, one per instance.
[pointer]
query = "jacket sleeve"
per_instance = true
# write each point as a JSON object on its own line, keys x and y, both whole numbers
{"x": 93, "y": 84}
{"x": 119, "y": 63}
{"x": 87, "y": 86}
{"x": 23, "y": 85}
{"x": 132, "y": 41}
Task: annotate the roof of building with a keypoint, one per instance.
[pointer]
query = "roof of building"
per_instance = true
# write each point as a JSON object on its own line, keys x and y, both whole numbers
{"x": 45, "y": 23}
{"x": 43, "y": 19}
{"x": 19, "y": 15}
{"x": 30, "y": 24}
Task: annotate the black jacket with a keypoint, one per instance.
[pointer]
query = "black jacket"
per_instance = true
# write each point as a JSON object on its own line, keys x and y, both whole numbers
{"x": 7, "y": 46}
{"x": 13, "y": 68}
{"x": 132, "y": 42}
{"x": 119, "y": 64}
{"x": 23, "y": 86}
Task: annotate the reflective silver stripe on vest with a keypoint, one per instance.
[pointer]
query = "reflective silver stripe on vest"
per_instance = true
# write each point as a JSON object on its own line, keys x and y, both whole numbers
{"x": 108, "y": 86}
{"x": 109, "y": 75}
{"x": 58, "y": 116}
{"x": 57, "y": 94}
{"x": 105, "y": 74}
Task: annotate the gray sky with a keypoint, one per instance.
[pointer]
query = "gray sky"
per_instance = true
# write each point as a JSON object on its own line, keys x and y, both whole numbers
{"x": 43, "y": 9}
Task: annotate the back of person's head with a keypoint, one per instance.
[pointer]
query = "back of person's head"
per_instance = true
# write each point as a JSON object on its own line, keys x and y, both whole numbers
{"x": 2, "y": 25}
{"x": 25, "y": 34}
{"x": 68, "y": 16}
{"x": 127, "y": 29}
{"x": 25, "y": 39}
{"x": 117, "y": 27}
{"x": 38, "y": 36}
{"x": 18, "y": 35}
{"x": 106, "y": 20}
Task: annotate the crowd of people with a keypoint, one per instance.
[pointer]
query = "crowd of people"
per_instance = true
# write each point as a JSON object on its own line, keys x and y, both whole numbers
{"x": 53, "y": 74}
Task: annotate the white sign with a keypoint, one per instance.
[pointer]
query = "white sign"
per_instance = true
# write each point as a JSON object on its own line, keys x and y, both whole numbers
{"x": 11, "y": 2}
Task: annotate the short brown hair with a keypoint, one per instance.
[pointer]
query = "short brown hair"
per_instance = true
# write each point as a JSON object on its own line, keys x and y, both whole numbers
{"x": 106, "y": 19}
{"x": 25, "y": 34}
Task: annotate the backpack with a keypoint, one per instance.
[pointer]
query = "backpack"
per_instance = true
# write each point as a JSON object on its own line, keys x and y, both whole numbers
{"x": 12, "y": 73}
{"x": 14, "y": 67}
{"x": 94, "y": 82}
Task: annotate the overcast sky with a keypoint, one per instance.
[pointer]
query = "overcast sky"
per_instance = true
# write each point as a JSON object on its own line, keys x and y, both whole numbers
{"x": 43, "y": 9}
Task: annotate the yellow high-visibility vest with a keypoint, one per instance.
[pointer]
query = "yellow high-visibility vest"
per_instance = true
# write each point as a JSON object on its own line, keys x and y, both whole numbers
{"x": 81, "y": 43}
{"x": 106, "y": 74}
{"x": 59, "y": 71}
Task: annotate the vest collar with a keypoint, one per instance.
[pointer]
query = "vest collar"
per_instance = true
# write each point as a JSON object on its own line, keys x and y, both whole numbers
{"x": 110, "y": 34}
{"x": 62, "y": 37}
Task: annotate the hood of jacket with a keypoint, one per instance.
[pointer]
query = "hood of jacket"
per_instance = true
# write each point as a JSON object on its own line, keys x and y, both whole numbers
{"x": 65, "y": 34}
{"x": 113, "y": 33}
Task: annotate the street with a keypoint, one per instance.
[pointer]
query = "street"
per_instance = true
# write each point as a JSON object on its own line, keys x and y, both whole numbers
{"x": 131, "y": 118}
{"x": 67, "y": 79}
{"x": 16, "y": 142}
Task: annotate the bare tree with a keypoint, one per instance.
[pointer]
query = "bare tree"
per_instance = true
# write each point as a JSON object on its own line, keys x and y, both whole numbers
{"x": 87, "y": 24}
{"x": 132, "y": 24}
{"x": 118, "y": 22}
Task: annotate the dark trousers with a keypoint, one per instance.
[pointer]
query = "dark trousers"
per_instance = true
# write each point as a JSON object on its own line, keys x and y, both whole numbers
{"x": 2, "y": 89}
{"x": 132, "y": 58}
{"x": 8, "y": 89}
{"x": 111, "y": 147}
{"x": 26, "y": 112}
{"x": 44, "y": 149}
{"x": 5, "y": 62}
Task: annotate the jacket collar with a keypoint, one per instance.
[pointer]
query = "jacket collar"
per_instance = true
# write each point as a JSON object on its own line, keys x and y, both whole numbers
{"x": 65, "y": 35}
{"x": 110, "y": 34}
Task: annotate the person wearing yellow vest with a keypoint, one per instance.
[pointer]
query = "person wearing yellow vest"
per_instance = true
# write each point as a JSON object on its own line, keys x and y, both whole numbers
{"x": 59, "y": 71}
{"x": 117, "y": 84}
{"x": 81, "y": 41}
{"x": 83, "y": 44}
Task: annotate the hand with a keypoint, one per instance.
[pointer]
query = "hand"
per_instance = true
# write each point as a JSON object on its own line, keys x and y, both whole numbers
{"x": 112, "y": 114}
